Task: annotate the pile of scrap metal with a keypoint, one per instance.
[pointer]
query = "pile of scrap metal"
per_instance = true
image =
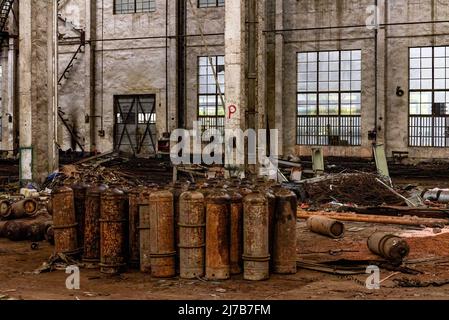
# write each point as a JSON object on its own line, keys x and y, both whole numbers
{"x": 361, "y": 189}
{"x": 113, "y": 168}
{"x": 25, "y": 218}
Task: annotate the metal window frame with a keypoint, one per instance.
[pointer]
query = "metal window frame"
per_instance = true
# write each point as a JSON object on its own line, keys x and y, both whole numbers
{"x": 432, "y": 91}
{"x": 212, "y": 6}
{"x": 115, "y": 12}
{"x": 217, "y": 95}
{"x": 318, "y": 92}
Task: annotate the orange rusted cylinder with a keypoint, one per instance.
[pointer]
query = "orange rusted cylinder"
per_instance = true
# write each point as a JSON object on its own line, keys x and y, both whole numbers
{"x": 177, "y": 190}
{"x": 236, "y": 247}
{"x": 144, "y": 235}
{"x": 192, "y": 241}
{"x": 64, "y": 219}
{"x": 162, "y": 235}
{"x": 92, "y": 217}
{"x": 26, "y": 208}
{"x": 256, "y": 254}
{"x": 326, "y": 226}
{"x": 79, "y": 193}
{"x": 113, "y": 231}
{"x": 218, "y": 265}
{"x": 284, "y": 244}
{"x": 271, "y": 198}
{"x": 134, "y": 250}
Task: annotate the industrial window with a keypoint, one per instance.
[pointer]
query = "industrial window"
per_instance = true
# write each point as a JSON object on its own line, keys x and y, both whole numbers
{"x": 210, "y": 3}
{"x": 211, "y": 112}
{"x": 134, "y": 6}
{"x": 429, "y": 97}
{"x": 329, "y": 98}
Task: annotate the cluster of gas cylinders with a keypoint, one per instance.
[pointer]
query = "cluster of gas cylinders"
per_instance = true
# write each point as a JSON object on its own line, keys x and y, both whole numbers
{"x": 212, "y": 230}
{"x": 23, "y": 219}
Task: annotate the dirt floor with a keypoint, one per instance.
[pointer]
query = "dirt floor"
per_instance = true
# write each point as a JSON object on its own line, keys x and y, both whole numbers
{"x": 429, "y": 254}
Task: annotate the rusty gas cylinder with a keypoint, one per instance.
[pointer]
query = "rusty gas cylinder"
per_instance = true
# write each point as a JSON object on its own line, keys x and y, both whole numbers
{"x": 37, "y": 228}
{"x": 91, "y": 255}
{"x": 134, "y": 250}
{"x": 326, "y": 226}
{"x": 162, "y": 234}
{"x": 271, "y": 198}
{"x": 113, "y": 231}
{"x": 192, "y": 241}
{"x": 5, "y": 209}
{"x": 144, "y": 231}
{"x": 64, "y": 219}
{"x": 50, "y": 234}
{"x": 2, "y": 228}
{"x": 79, "y": 193}
{"x": 177, "y": 190}
{"x": 256, "y": 254}
{"x": 218, "y": 265}
{"x": 236, "y": 229}
{"x": 284, "y": 244}
{"x": 26, "y": 208}
{"x": 389, "y": 246}
{"x": 16, "y": 230}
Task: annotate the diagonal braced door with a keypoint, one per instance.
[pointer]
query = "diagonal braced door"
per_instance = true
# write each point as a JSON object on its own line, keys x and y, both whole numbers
{"x": 135, "y": 124}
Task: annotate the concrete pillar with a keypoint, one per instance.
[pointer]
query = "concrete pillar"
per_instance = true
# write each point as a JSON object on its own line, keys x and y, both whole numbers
{"x": 9, "y": 88}
{"x": 234, "y": 61}
{"x": 279, "y": 72}
{"x": 382, "y": 56}
{"x": 90, "y": 75}
{"x": 37, "y": 89}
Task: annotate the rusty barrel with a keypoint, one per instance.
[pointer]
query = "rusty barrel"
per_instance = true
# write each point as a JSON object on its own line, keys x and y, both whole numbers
{"x": 144, "y": 232}
{"x": 218, "y": 265}
{"x": 133, "y": 216}
{"x": 284, "y": 244}
{"x": 162, "y": 234}
{"x": 388, "y": 246}
{"x": 326, "y": 226}
{"x": 64, "y": 219}
{"x": 236, "y": 229}
{"x": 113, "y": 231}
{"x": 79, "y": 193}
{"x": 256, "y": 254}
{"x": 192, "y": 241}
{"x": 92, "y": 217}
{"x": 25, "y": 208}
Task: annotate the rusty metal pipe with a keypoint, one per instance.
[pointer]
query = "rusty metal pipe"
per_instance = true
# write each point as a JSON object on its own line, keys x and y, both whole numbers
{"x": 162, "y": 235}
{"x": 388, "y": 246}
{"x": 192, "y": 242}
{"x": 256, "y": 254}
{"x": 326, "y": 227}
{"x": 218, "y": 265}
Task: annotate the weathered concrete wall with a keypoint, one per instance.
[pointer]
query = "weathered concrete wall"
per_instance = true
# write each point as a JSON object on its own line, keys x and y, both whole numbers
{"x": 138, "y": 65}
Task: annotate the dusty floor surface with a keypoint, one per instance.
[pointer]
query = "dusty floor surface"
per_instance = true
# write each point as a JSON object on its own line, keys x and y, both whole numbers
{"x": 18, "y": 261}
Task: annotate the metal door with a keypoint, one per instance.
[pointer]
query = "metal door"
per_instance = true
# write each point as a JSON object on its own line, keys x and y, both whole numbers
{"x": 135, "y": 124}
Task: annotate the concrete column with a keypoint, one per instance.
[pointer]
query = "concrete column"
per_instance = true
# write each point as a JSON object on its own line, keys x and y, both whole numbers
{"x": 37, "y": 90}
{"x": 9, "y": 87}
{"x": 234, "y": 61}
{"x": 382, "y": 56}
{"x": 90, "y": 76}
{"x": 279, "y": 72}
